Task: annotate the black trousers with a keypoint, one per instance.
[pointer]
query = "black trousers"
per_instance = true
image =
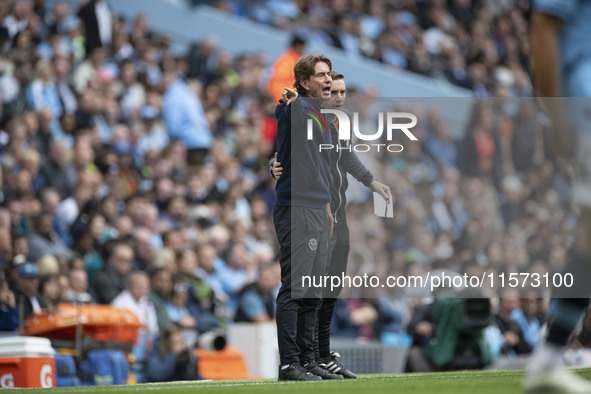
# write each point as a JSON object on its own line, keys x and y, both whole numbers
{"x": 339, "y": 254}
{"x": 303, "y": 238}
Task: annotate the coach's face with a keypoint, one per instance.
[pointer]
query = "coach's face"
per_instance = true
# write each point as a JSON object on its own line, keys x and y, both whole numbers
{"x": 319, "y": 83}
{"x": 338, "y": 92}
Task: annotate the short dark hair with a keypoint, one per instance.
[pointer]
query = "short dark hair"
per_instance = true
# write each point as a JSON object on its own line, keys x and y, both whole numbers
{"x": 116, "y": 245}
{"x": 304, "y": 69}
{"x": 167, "y": 333}
{"x": 336, "y": 76}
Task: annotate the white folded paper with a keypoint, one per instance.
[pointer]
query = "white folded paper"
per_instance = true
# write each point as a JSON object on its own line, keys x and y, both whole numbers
{"x": 381, "y": 207}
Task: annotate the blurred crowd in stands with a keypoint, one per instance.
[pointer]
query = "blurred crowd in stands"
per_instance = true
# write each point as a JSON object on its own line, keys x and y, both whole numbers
{"x": 476, "y": 44}
{"x": 135, "y": 176}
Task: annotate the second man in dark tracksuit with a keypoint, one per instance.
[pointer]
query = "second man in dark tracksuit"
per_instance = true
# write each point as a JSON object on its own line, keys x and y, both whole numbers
{"x": 344, "y": 161}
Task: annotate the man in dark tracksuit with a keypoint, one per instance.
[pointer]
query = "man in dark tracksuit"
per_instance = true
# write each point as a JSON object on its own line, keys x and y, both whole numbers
{"x": 302, "y": 217}
{"x": 343, "y": 161}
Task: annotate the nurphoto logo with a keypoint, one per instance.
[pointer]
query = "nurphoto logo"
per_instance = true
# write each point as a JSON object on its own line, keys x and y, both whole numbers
{"x": 393, "y": 124}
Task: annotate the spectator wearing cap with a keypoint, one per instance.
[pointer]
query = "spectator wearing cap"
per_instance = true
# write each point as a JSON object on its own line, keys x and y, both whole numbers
{"x": 44, "y": 240}
{"x": 111, "y": 280}
{"x": 28, "y": 299}
{"x": 184, "y": 118}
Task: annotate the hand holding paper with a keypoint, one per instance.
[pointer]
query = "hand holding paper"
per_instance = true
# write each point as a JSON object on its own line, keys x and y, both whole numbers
{"x": 380, "y": 188}
{"x": 382, "y": 207}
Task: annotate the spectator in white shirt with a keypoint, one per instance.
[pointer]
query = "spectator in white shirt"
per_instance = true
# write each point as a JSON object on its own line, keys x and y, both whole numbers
{"x": 135, "y": 299}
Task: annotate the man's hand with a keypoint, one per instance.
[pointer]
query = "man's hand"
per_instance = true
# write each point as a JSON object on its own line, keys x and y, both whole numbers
{"x": 511, "y": 338}
{"x": 7, "y": 297}
{"x": 364, "y": 315}
{"x": 330, "y": 220}
{"x": 187, "y": 322}
{"x": 424, "y": 329}
{"x": 382, "y": 189}
{"x": 289, "y": 95}
{"x": 276, "y": 170}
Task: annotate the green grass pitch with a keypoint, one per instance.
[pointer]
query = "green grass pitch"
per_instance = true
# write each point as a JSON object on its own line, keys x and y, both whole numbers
{"x": 465, "y": 382}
